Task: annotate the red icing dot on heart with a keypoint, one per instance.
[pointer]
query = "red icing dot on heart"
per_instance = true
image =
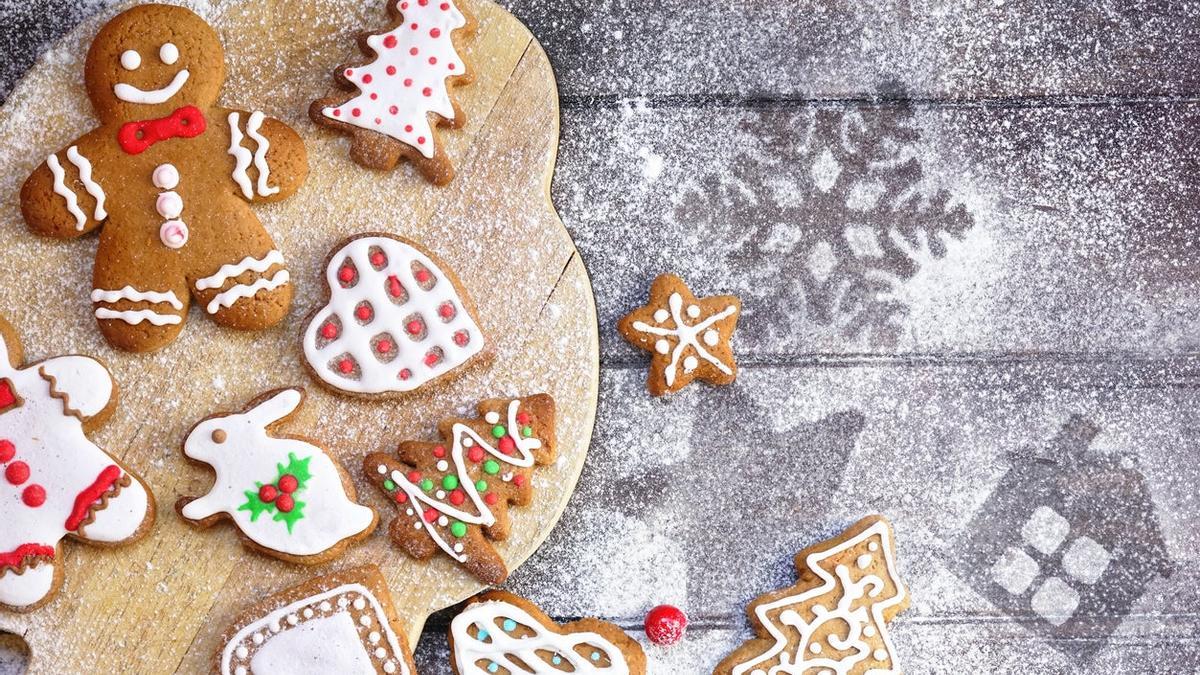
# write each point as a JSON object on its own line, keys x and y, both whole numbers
{"x": 461, "y": 338}
{"x": 346, "y": 366}
{"x": 457, "y": 498}
{"x": 385, "y": 346}
{"x": 378, "y": 120}
{"x": 394, "y": 287}
{"x": 422, "y": 2}
{"x": 414, "y": 327}
{"x": 7, "y": 451}
{"x": 422, "y": 276}
{"x": 405, "y": 374}
{"x": 390, "y": 41}
{"x": 475, "y": 454}
{"x": 404, "y": 5}
{"x": 446, "y": 311}
{"x": 491, "y": 498}
{"x": 34, "y": 496}
{"x": 17, "y": 473}
{"x": 431, "y": 515}
{"x": 329, "y": 331}
{"x": 431, "y": 359}
{"x": 378, "y": 259}
{"x": 346, "y": 274}
{"x": 436, "y": 32}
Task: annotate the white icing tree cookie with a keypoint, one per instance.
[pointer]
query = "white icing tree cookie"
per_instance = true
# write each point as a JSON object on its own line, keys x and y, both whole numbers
{"x": 397, "y": 319}
{"x": 286, "y": 495}
{"x": 57, "y": 483}
{"x": 453, "y": 496}
{"x": 835, "y": 619}
{"x": 394, "y": 100}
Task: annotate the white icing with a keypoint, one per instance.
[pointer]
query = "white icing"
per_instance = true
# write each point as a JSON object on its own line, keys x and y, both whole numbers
{"x": 251, "y": 455}
{"x": 169, "y": 205}
{"x": 508, "y": 651}
{"x": 133, "y": 295}
{"x": 131, "y": 94}
{"x": 135, "y": 316}
{"x": 248, "y": 264}
{"x": 854, "y": 617}
{"x": 174, "y": 234}
{"x": 49, "y": 438}
{"x": 355, "y": 339}
{"x": 61, "y": 189}
{"x": 131, "y": 60}
{"x": 523, "y": 458}
{"x": 242, "y": 291}
{"x": 244, "y": 157}
{"x": 686, "y": 336}
{"x": 85, "y": 176}
{"x": 166, "y": 177}
{"x": 168, "y": 53}
{"x": 328, "y": 643}
{"x": 402, "y": 110}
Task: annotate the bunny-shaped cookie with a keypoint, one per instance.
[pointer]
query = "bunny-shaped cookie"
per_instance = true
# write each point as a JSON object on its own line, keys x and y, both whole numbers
{"x": 287, "y": 496}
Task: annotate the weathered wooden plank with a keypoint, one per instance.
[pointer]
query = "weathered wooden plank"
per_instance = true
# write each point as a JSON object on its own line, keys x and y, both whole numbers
{"x": 888, "y": 229}
{"x": 809, "y": 48}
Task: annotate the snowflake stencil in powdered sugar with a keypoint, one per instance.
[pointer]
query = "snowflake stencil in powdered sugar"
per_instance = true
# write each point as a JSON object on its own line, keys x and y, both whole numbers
{"x": 829, "y": 217}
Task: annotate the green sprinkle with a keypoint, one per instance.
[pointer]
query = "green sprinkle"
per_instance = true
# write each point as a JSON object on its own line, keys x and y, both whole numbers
{"x": 389, "y": 485}
{"x": 450, "y": 482}
{"x": 481, "y": 485}
{"x": 492, "y": 467}
{"x": 499, "y": 431}
{"x": 527, "y": 432}
{"x": 427, "y": 485}
{"x": 458, "y": 529}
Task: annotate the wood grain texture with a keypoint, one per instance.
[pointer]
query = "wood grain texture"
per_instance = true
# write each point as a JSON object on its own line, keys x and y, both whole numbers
{"x": 159, "y": 606}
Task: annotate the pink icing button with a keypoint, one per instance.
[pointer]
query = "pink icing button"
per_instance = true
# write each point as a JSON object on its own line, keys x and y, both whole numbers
{"x": 174, "y": 234}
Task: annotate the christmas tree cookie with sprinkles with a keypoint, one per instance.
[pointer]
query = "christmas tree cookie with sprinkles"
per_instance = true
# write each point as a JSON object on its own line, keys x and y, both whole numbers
{"x": 391, "y": 105}
{"x": 688, "y": 337}
{"x": 499, "y": 633}
{"x": 397, "y": 319}
{"x": 286, "y": 494}
{"x": 453, "y": 496}
{"x": 343, "y": 622}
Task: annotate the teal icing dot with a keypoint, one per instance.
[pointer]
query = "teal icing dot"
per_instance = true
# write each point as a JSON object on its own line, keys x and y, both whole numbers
{"x": 595, "y": 656}
{"x": 483, "y": 635}
{"x": 509, "y": 625}
{"x": 557, "y": 660}
{"x": 493, "y": 667}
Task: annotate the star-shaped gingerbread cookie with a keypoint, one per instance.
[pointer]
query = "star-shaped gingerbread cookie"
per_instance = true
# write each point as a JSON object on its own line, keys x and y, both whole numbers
{"x": 687, "y": 336}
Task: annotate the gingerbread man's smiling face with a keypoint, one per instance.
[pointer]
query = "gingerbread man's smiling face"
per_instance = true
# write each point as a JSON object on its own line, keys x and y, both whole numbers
{"x": 151, "y": 60}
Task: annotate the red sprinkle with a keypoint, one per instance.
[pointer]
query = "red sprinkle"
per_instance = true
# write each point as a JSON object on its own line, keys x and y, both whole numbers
{"x": 17, "y": 473}
{"x": 523, "y": 418}
{"x": 665, "y": 625}
{"x": 413, "y": 476}
{"x": 431, "y": 515}
{"x": 518, "y": 480}
{"x": 475, "y": 454}
{"x": 457, "y": 498}
{"x": 34, "y": 496}
{"x": 401, "y": 497}
{"x": 439, "y": 451}
{"x": 491, "y": 498}
{"x": 507, "y": 445}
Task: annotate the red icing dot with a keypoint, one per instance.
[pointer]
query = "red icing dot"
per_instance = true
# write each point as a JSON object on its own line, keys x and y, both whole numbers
{"x": 413, "y": 26}
{"x": 285, "y": 503}
{"x": 408, "y": 81}
{"x": 378, "y": 121}
{"x": 414, "y": 51}
{"x": 34, "y": 496}
{"x": 436, "y": 32}
{"x": 346, "y": 366}
{"x": 7, "y": 451}
{"x": 401, "y": 497}
{"x": 390, "y": 41}
{"x": 394, "y": 110}
{"x": 385, "y": 346}
{"x": 394, "y": 287}
{"x": 523, "y": 417}
{"x": 374, "y": 96}
{"x": 337, "y": 112}
{"x": 349, "y": 73}
{"x": 268, "y": 493}
{"x": 329, "y": 331}
{"x": 451, "y": 66}
{"x": 475, "y": 454}
{"x": 665, "y": 625}
{"x": 420, "y": 140}
{"x": 405, "y": 374}
{"x": 439, "y": 451}
{"x": 457, "y": 498}
{"x": 356, "y": 112}
{"x": 17, "y": 473}
{"x": 431, "y": 359}
{"x": 491, "y": 498}
{"x": 346, "y": 274}
{"x": 433, "y": 60}
{"x": 445, "y": 6}
{"x": 413, "y": 327}
{"x": 378, "y": 259}
{"x": 404, "y": 5}
{"x": 408, "y": 128}
{"x": 507, "y": 445}
{"x": 461, "y": 338}
{"x": 289, "y": 484}
{"x": 413, "y": 476}
{"x": 367, "y": 78}
{"x": 422, "y": 2}
{"x": 427, "y": 91}
{"x": 518, "y": 480}
{"x": 391, "y": 70}
{"x": 446, "y": 311}
{"x": 422, "y": 276}
{"x": 363, "y": 313}
{"x": 431, "y": 515}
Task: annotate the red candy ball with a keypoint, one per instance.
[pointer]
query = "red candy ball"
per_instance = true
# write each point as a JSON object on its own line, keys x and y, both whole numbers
{"x": 17, "y": 473}
{"x": 665, "y": 625}
{"x": 289, "y": 484}
{"x": 285, "y": 503}
{"x": 34, "y": 496}
{"x": 7, "y": 451}
{"x": 268, "y": 493}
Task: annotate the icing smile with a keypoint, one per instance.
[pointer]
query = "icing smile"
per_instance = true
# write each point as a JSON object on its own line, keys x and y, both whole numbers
{"x": 131, "y": 94}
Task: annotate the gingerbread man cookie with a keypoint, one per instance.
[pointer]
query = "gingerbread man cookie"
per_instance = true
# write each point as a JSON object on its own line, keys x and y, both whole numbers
{"x": 390, "y": 105}
{"x": 56, "y": 482}
{"x": 169, "y": 175}
{"x": 687, "y": 336}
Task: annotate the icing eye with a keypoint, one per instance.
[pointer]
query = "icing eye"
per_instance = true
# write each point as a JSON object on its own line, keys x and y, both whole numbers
{"x": 131, "y": 60}
{"x": 169, "y": 53}
{"x": 219, "y": 436}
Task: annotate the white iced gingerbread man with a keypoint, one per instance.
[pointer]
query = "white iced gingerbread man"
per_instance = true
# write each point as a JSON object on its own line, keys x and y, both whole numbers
{"x": 56, "y": 482}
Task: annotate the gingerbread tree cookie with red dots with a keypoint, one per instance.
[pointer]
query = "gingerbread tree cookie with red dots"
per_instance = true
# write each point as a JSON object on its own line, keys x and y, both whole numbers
{"x": 169, "y": 175}
{"x": 687, "y": 336}
{"x": 453, "y": 496}
{"x": 56, "y": 482}
{"x": 391, "y": 104}
{"x": 397, "y": 319}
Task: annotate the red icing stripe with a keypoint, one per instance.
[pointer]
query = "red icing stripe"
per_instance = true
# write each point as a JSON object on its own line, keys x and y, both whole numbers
{"x": 85, "y": 499}
{"x": 16, "y": 557}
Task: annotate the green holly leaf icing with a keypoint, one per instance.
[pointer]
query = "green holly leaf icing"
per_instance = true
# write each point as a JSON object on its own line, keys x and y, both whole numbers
{"x": 254, "y": 505}
{"x": 292, "y": 516}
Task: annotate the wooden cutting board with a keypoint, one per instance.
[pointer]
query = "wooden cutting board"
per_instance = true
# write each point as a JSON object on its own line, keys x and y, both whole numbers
{"x": 158, "y": 606}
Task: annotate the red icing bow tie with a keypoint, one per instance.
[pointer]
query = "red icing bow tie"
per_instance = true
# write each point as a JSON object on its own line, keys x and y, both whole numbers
{"x": 186, "y": 122}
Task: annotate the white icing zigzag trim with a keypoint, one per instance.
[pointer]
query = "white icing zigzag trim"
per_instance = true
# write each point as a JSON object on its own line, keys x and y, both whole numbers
{"x": 243, "y": 291}
{"x": 133, "y": 295}
{"x": 248, "y": 264}
{"x": 244, "y": 158}
{"x": 134, "y": 317}
{"x": 85, "y": 176}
